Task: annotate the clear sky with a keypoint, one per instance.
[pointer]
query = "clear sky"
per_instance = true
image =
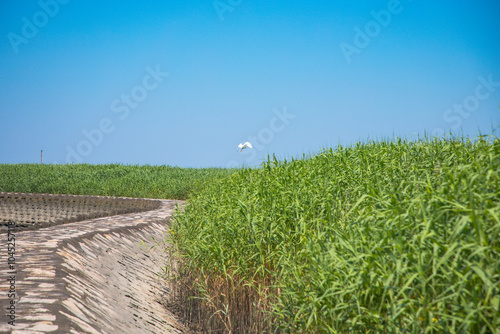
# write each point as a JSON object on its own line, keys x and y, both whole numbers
{"x": 182, "y": 83}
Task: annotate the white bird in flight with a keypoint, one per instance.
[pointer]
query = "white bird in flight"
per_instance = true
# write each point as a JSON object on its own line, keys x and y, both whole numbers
{"x": 244, "y": 146}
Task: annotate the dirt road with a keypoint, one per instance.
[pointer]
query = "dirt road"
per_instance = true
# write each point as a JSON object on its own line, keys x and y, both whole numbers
{"x": 91, "y": 276}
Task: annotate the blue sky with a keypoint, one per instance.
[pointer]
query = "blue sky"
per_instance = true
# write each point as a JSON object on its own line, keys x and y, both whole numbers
{"x": 182, "y": 83}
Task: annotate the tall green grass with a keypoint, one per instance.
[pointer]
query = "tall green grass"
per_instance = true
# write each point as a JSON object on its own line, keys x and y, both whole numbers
{"x": 383, "y": 237}
{"x": 107, "y": 180}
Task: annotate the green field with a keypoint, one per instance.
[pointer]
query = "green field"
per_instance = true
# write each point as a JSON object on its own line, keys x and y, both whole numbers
{"x": 107, "y": 180}
{"x": 383, "y": 237}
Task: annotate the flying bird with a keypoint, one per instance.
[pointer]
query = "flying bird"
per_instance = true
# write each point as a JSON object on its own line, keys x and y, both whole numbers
{"x": 244, "y": 146}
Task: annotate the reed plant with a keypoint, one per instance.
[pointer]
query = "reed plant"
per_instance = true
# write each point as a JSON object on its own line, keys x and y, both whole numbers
{"x": 384, "y": 237}
{"x": 144, "y": 181}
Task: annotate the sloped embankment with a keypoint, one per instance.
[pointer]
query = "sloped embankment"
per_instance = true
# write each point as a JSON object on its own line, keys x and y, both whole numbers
{"x": 93, "y": 276}
{"x": 34, "y": 211}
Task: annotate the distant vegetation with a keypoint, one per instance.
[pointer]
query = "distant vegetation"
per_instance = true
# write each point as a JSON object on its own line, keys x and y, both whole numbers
{"x": 383, "y": 237}
{"x": 106, "y": 180}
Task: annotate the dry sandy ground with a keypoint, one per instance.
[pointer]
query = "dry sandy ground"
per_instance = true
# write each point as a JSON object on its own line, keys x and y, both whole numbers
{"x": 93, "y": 276}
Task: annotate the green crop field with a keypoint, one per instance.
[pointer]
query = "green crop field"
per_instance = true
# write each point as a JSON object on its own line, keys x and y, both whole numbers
{"x": 384, "y": 237}
{"x": 107, "y": 180}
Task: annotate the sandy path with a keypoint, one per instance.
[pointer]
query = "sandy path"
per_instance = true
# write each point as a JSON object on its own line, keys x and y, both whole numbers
{"x": 91, "y": 276}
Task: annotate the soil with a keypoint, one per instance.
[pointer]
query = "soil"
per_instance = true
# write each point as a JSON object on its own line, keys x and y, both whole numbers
{"x": 34, "y": 211}
{"x": 99, "y": 275}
